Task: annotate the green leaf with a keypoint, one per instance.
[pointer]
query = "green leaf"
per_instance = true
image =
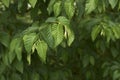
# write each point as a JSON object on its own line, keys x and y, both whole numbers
{"x": 116, "y": 75}
{"x": 33, "y": 48}
{"x": 63, "y": 20}
{"x": 41, "y": 48}
{"x": 15, "y": 76}
{"x": 4, "y": 39}
{"x": 18, "y": 52}
{"x": 85, "y": 61}
{"x": 88, "y": 75}
{"x": 50, "y": 6}
{"x": 69, "y": 9}
{"x": 92, "y": 60}
{"x": 57, "y": 8}
{"x": 29, "y": 58}
{"x": 106, "y": 72}
{"x": 13, "y": 45}
{"x": 20, "y": 4}
{"x": 64, "y": 56}
{"x": 90, "y": 6}
{"x": 19, "y": 66}
{"x": 109, "y": 34}
{"x": 11, "y": 57}
{"x": 29, "y": 39}
{"x": 95, "y": 31}
{"x": 2, "y": 77}
{"x": 119, "y": 6}
{"x": 114, "y": 52}
{"x": 2, "y": 68}
{"x": 57, "y": 32}
{"x": 55, "y": 75}
{"x": 15, "y": 49}
{"x": 47, "y": 35}
{"x": 44, "y": 0}
{"x": 101, "y": 6}
{"x": 113, "y": 3}
{"x": 33, "y": 2}
{"x": 5, "y": 59}
{"x": 31, "y": 29}
{"x": 6, "y": 2}
{"x": 51, "y": 20}
{"x": 116, "y": 32}
{"x": 70, "y": 35}
{"x": 18, "y": 49}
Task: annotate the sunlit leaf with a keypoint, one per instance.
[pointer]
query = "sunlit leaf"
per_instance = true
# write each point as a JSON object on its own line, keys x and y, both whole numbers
{"x": 57, "y": 8}
{"x": 41, "y": 48}
{"x": 50, "y": 6}
{"x": 29, "y": 59}
{"x": 90, "y": 6}
{"x": 29, "y": 39}
{"x": 69, "y": 8}
{"x": 63, "y": 20}
{"x": 6, "y": 2}
{"x": 47, "y": 35}
{"x": 70, "y": 35}
{"x": 51, "y": 20}
{"x": 57, "y": 32}
{"x": 113, "y": 3}
{"x": 33, "y": 2}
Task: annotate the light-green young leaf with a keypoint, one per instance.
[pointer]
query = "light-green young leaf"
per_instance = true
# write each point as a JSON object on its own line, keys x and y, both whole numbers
{"x": 113, "y": 3}
{"x": 57, "y": 32}
{"x": 57, "y": 8}
{"x": 70, "y": 35}
{"x": 50, "y": 6}
{"x": 69, "y": 9}
{"x": 63, "y": 20}
{"x": 90, "y": 6}
{"x": 41, "y": 48}
{"x": 95, "y": 31}
{"x": 29, "y": 39}
{"x": 51, "y": 20}
{"x": 47, "y": 35}
{"x": 68, "y": 32}
{"x": 29, "y": 58}
{"x": 6, "y": 2}
{"x": 33, "y": 2}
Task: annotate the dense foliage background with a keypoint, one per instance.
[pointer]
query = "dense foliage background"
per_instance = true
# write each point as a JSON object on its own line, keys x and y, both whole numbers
{"x": 59, "y": 39}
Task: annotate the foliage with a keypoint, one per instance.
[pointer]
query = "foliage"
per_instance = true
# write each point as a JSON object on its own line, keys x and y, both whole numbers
{"x": 59, "y": 40}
